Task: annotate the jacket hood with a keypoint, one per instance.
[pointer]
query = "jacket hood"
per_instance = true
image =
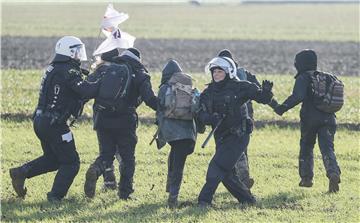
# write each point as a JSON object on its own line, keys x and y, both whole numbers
{"x": 305, "y": 60}
{"x": 169, "y": 69}
{"x": 135, "y": 64}
{"x": 108, "y": 56}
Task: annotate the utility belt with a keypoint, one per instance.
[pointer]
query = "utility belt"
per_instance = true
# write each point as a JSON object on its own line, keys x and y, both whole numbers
{"x": 100, "y": 108}
{"x": 55, "y": 116}
{"x": 246, "y": 127}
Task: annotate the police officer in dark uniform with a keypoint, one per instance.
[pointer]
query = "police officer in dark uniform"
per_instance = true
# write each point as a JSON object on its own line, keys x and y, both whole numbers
{"x": 242, "y": 166}
{"x": 62, "y": 93}
{"x": 242, "y": 169}
{"x": 221, "y": 107}
{"x": 313, "y": 123}
{"x": 117, "y": 130}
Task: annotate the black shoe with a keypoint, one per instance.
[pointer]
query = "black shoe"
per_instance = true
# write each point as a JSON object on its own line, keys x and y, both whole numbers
{"x": 249, "y": 201}
{"x": 127, "y": 197}
{"x": 90, "y": 182}
{"x": 172, "y": 201}
{"x": 334, "y": 181}
{"x": 306, "y": 182}
{"x": 53, "y": 198}
{"x": 204, "y": 204}
{"x": 18, "y": 181}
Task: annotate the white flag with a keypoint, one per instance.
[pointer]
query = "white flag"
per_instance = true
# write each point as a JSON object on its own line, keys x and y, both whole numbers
{"x": 112, "y": 18}
{"x": 116, "y": 39}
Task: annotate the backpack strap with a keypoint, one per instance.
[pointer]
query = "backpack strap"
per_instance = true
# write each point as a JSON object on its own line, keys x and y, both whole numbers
{"x": 183, "y": 87}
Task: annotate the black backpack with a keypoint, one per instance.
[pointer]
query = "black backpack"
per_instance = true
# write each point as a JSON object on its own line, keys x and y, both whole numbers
{"x": 114, "y": 88}
{"x": 328, "y": 92}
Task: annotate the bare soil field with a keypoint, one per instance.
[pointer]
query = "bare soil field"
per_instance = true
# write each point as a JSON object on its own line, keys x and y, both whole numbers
{"x": 269, "y": 57}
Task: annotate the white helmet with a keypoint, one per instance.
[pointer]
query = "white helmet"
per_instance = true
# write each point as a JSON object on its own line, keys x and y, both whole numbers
{"x": 225, "y": 63}
{"x": 72, "y": 47}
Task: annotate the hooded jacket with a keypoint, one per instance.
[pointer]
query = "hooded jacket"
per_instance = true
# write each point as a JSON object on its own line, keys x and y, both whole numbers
{"x": 171, "y": 129}
{"x": 305, "y": 61}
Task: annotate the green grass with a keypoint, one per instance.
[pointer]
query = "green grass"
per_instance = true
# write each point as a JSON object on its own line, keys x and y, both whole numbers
{"x": 273, "y": 161}
{"x": 324, "y": 22}
{"x": 20, "y": 93}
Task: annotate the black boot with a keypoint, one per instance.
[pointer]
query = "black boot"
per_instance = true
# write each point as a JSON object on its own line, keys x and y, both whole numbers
{"x": 204, "y": 204}
{"x": 92, "y": 175}
{"x": 251, "y": 200}
{"x": 109, "y": 179}
{"x": 51, "y": 197}
{"x": 18, "y": 176}
{"x": 334, "y": 181}
{"x": 306, "y": 182}
{"x": 172, "y": 201}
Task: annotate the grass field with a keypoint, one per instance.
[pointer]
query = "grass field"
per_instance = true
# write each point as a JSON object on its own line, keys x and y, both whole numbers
{"x": 273, "y": 152}
{"x": 324, "y": 22}
{"x": 273, "y": 160}
{"x": 24, "y": 85}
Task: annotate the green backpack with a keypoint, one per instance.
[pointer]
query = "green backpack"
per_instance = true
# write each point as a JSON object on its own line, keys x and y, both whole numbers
{"x": 180, "y": 98}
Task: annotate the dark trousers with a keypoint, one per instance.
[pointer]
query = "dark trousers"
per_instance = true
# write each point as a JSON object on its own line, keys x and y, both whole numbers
{"x": 241, "y": 168}
{"x": 180, "y": 149}
{"x": 325, "y": 131}
{"x": 228, "y": 152}
{"x": 123, "y": 141}
{"x": 59, "y": 153}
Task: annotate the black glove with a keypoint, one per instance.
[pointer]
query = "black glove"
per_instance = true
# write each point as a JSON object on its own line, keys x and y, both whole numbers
{"x": 84, "y": 71}
{"x": 267, "y": 85}
{"x": 273, "y": 103}
{"x": 280, "y": 109}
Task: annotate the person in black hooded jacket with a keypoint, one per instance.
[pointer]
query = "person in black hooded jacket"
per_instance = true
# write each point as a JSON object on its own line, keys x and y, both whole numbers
{"x": 116, "y": 130}
{"x": 313, "y": 123}
{"x": 100, "y": 67}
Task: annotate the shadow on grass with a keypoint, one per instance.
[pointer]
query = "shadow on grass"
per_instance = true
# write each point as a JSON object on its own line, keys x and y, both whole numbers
{"x": 78, "y": 209}
{"x": 17, "y": 210}
{"x": 282, "y": 200}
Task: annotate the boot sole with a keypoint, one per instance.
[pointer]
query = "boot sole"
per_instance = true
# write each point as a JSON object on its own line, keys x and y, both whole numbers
{"x": 90, "y": 182}
{"x": 20, "y": 192}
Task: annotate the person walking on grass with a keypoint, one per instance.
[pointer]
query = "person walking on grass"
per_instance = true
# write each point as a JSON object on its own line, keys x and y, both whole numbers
{"x": 317, "y": 117}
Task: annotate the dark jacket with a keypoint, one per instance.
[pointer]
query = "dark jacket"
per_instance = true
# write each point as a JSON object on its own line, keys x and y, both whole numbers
{"x": 140, "y": 90}
{"x": 63, "y": 89}
{"x": 302, "y": 94}
{"x": 171, "y": 129}
{"x": 244, "y": 74}
{"x": 227, "y": 100}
